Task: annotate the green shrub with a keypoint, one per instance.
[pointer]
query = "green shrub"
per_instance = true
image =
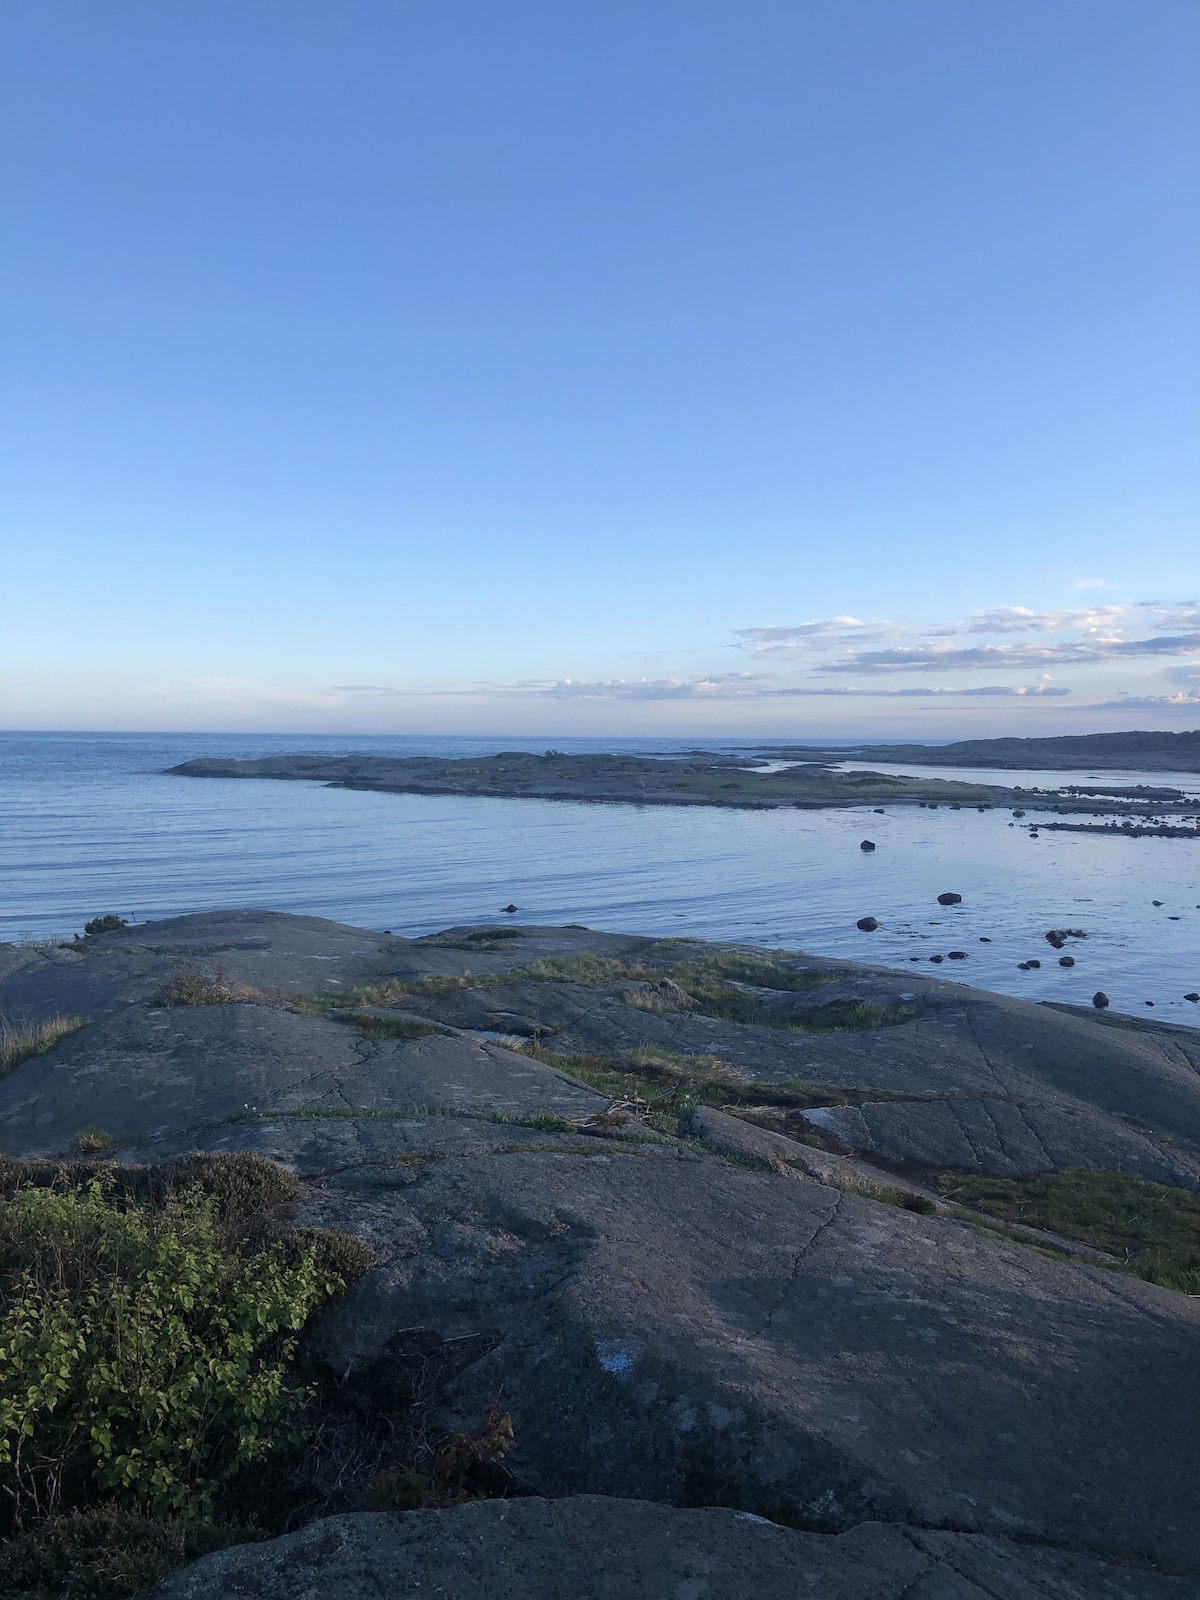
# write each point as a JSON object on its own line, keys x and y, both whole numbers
{"x": 145, "y": 1339}
{"x": 193, "y": 989}
{"x": 108, "y": 924}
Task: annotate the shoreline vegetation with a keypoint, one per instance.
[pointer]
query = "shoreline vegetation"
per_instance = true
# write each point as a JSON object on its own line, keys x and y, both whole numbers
{"x": 748, "y": 781}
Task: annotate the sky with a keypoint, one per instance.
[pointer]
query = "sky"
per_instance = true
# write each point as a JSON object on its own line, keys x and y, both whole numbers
{"x": 799, "y": 367}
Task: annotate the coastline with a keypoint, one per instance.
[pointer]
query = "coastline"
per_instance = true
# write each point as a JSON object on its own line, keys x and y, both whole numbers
{"x": 700, "y": 779}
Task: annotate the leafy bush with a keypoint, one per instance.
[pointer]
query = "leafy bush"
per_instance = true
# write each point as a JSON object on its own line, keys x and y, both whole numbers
{"x": 108, "y": 924}
{"x": 146, "y": 1330}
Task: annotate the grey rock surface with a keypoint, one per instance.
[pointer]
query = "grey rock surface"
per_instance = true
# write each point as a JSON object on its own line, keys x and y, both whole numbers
{"x": 680, "y": 1328}
{"x": 592, "y": 1548}
{"x": 725, "y": 1317}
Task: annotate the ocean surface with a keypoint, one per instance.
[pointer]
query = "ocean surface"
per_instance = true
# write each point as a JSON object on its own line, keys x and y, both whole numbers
{"x": 90, "y": 824}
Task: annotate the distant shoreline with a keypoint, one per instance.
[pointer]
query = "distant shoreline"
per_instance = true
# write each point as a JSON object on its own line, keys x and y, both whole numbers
{"x": 702, "y": 779}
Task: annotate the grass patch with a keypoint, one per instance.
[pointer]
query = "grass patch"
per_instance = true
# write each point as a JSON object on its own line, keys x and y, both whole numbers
{"x": 1153, "y": 1228}
{"x": 547, "y": 1122}
{"x": 106, "y": 1553}
{"x": 479, "y": 939}
{"x": 194, "y": 989}
{"x": 399, "y": 1027}
{"x": 96, "y": 1141}
{"x": 21, "y": 1041}
{"x": 718, "y": 985}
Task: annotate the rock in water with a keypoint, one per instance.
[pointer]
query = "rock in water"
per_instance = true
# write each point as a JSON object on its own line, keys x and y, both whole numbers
{"x": 867, "y": 924}
{"x": 1193, "y": 997}
{"x": 1066, "y": 961}
{"x": 867, "y": 844}
{"x": 949, "y": 899}
{"x": 1099, "y": 999}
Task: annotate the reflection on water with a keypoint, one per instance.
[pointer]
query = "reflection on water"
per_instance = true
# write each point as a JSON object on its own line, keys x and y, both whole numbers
{"x": 90, "y": 824}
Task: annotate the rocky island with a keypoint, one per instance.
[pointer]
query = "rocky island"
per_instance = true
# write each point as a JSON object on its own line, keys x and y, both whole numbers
{"x": 652, "y": 1267}
{"x": 701, "y": 778}
{"x": 1134, "y": 751}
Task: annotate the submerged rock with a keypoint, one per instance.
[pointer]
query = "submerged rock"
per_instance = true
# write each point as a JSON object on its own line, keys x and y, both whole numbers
{"x": 867, "y": 924}
{"x": 949, "y": 899}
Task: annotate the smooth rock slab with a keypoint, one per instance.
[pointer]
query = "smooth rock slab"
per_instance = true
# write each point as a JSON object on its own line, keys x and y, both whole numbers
{"x": 684, "y": 1329}
{"x": 592, "y": 1548}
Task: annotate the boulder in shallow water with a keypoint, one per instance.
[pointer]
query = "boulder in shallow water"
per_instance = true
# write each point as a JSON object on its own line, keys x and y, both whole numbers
{"x": 949, "y": 899}
{"x": 867, "y": 844}
{"x": 1099, "y": 999}
{"x": 867, "y": 924}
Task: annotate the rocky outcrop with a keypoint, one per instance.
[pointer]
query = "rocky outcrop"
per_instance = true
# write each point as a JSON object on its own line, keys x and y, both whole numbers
{"x": 720, "y": 1316}
{"x": 605, "y": 1549}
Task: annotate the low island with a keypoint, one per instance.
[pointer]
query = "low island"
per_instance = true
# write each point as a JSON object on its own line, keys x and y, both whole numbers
{"x": 809, "y": 780}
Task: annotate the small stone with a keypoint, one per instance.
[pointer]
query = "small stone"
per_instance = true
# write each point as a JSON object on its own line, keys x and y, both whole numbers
{"x": 936, "y": 959}
{"x": 1149, "y": 1002}
{"x": 1018, "y": 813}
{"x": 867, "y": 924}
{"x": 1099, "y": 999}
{"x": 983, "y": 939}
{"x": 1066, "y": 961}
{"x": 958, "y": 955}
{"x": 509, "y": 909}
{"x": 949, "y": 899}
{"x": 1035, "y": 963}
{"x": 879, "y": 811}
{"x": 1156, "y": 902}
{"x": 1193, "y": 997}
{"x": 867, "y": 844}
{"x": 1022, "y": 966}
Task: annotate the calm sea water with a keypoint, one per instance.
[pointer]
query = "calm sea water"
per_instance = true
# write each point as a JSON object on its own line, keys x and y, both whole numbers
{"x": 90, "y": 823}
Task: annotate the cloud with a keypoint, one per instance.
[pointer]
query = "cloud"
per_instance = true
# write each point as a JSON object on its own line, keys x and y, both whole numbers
{"x": 1020, "y": 619}
{"x": 744, "y": 686}
{"x": 1093, "y": 583}
{"x": 1022, "y": 657}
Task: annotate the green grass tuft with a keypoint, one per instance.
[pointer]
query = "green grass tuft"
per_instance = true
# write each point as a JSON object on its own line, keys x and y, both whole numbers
{"x": 1153, "y": 1228}
{"x": 21, "y": 1041}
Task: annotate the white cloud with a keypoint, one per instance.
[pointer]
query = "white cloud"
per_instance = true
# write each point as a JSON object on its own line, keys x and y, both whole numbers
{"x": 1020, "y": 619}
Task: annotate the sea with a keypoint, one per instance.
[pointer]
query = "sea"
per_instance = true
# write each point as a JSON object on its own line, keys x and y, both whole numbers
{"x": 91, "y": 823}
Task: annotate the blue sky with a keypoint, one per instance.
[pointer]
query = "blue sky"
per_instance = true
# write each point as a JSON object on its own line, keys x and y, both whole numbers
{"x": 798, "y": 368}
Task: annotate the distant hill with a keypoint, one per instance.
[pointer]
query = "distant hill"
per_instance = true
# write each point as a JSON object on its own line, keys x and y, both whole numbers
{"x": 1164, "y": 752}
